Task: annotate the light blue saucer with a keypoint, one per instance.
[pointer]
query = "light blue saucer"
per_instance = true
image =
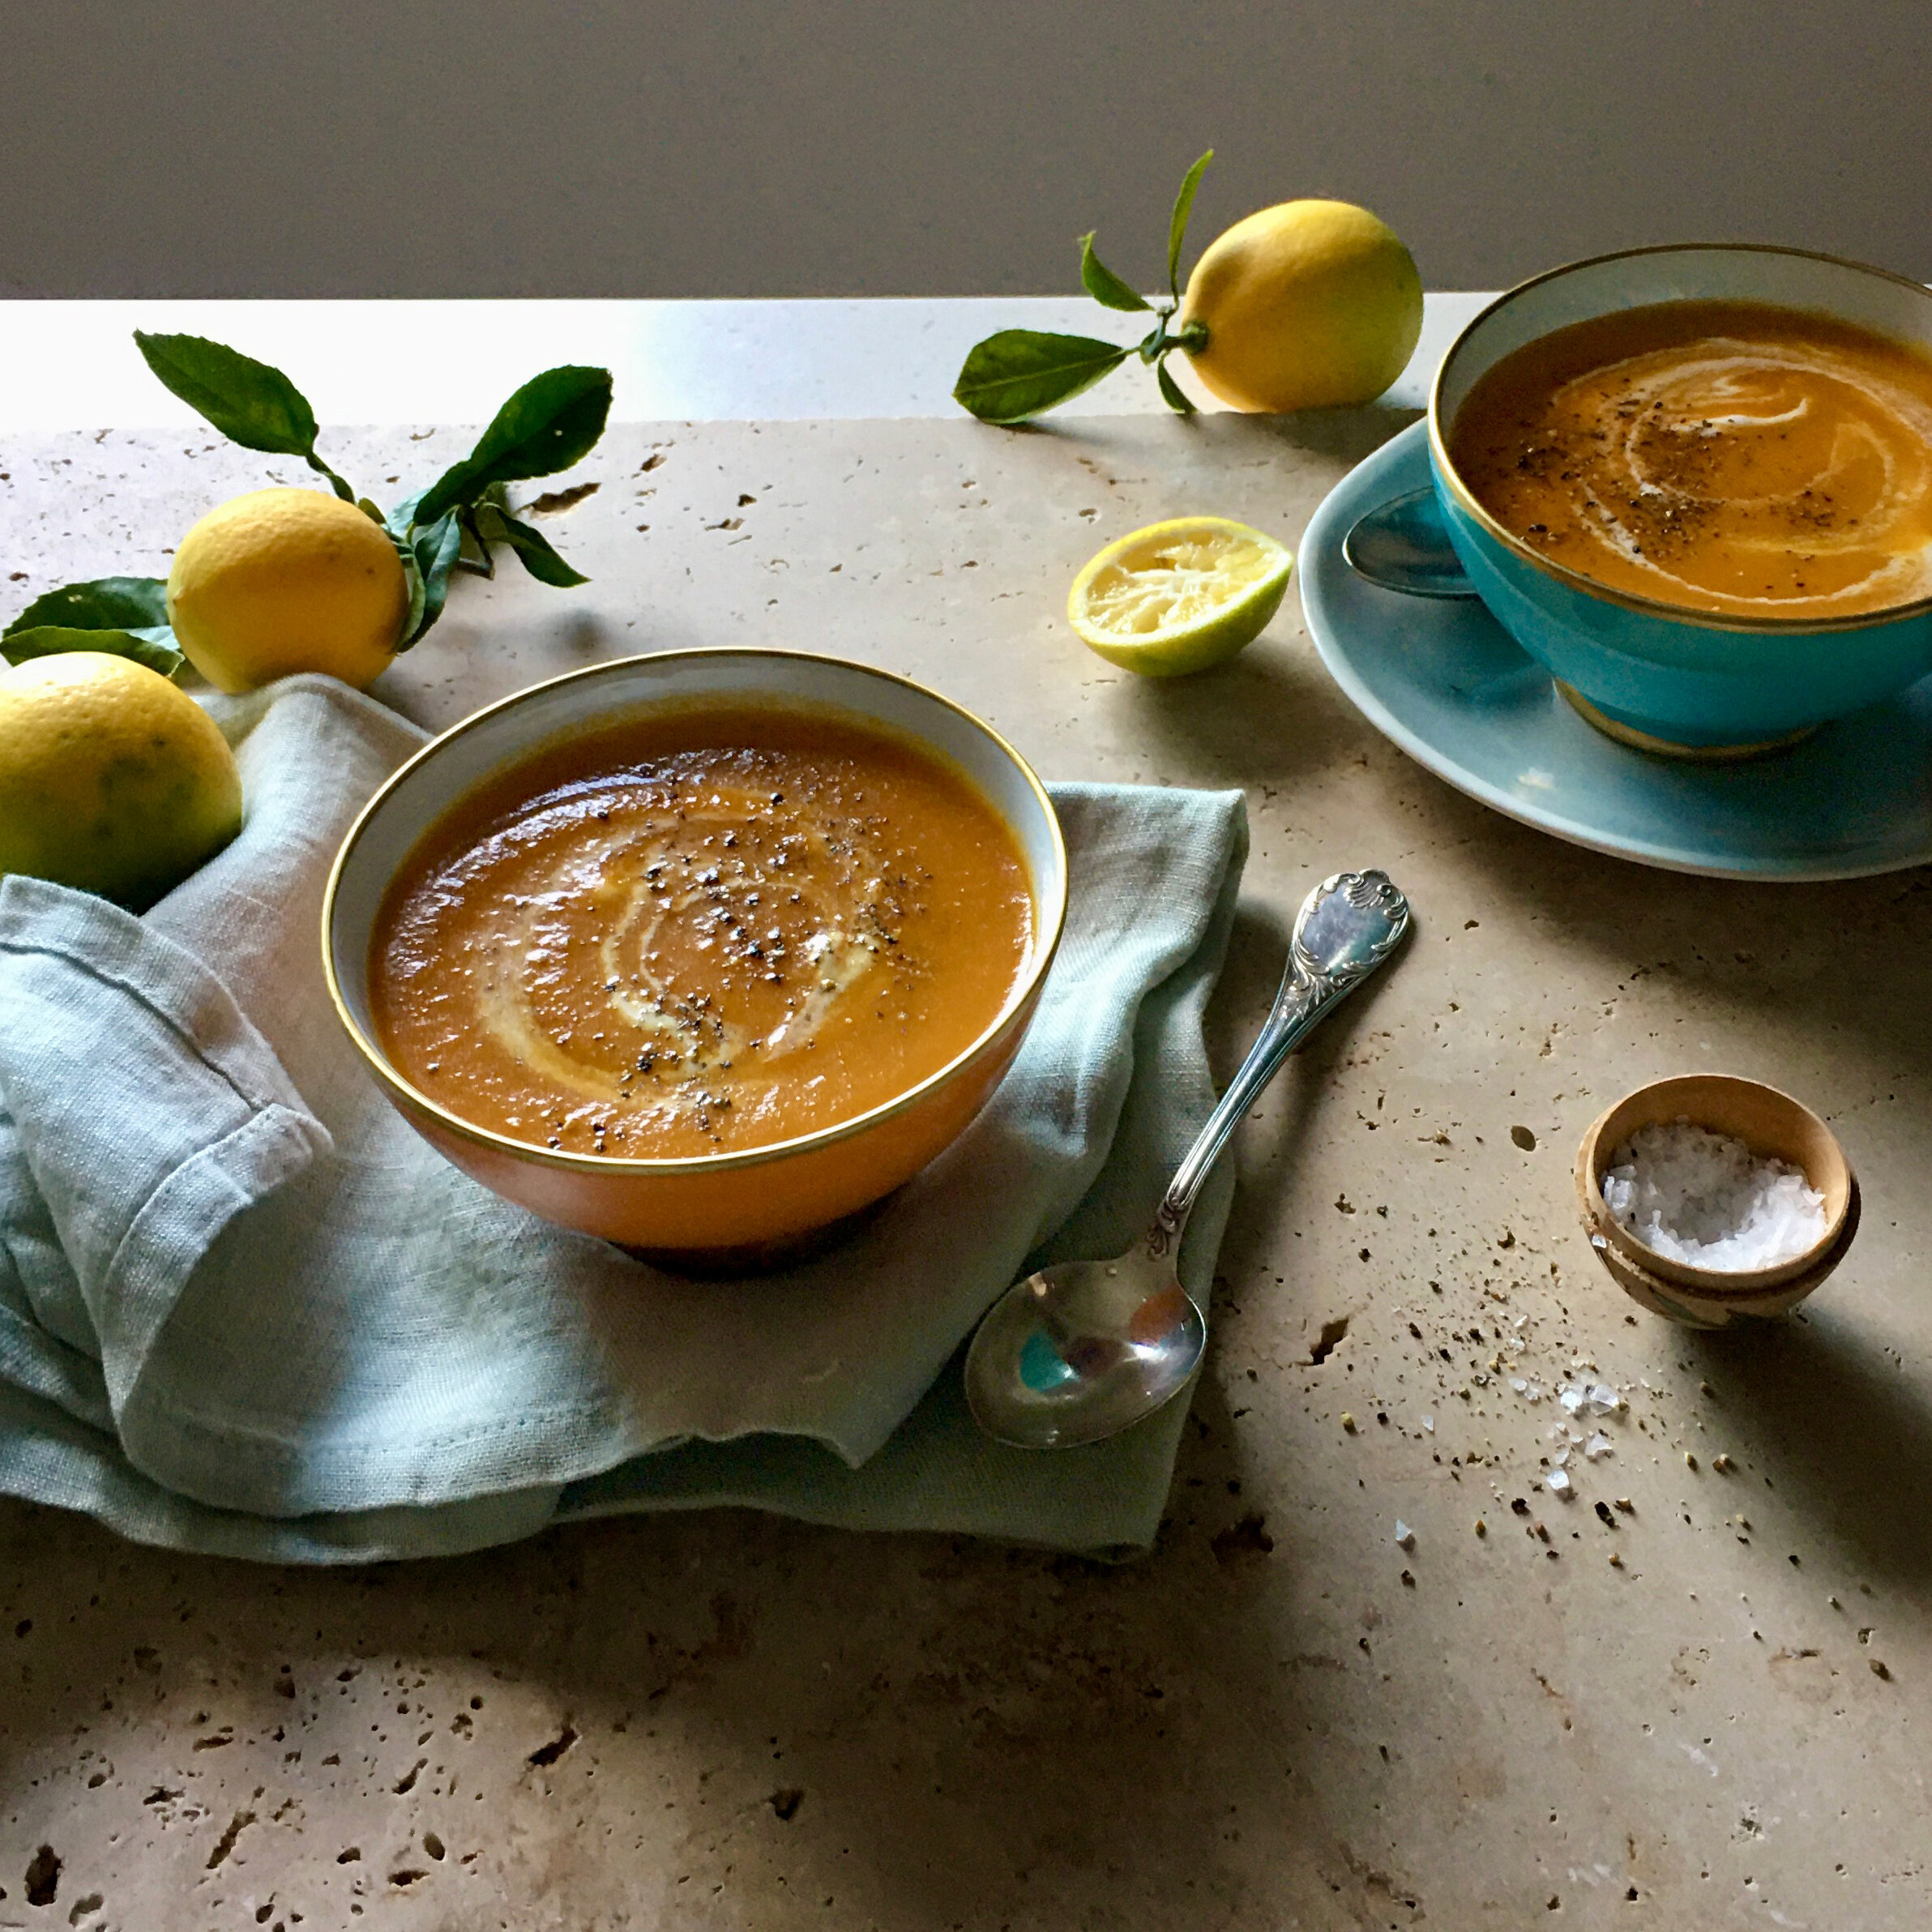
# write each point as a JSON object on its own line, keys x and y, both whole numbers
{"x": 1443, "y": 681}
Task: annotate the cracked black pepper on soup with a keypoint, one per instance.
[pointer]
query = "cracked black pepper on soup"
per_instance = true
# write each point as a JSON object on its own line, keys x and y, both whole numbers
{"x": 699, "y": 930}
{"x": 1730, "y": 457}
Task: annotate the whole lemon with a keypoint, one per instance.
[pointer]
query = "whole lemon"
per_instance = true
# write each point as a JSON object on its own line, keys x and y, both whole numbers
{"x": 285, "y": 580}
{"x": 111, "y": 779}
{"x": 1307, "y": 303}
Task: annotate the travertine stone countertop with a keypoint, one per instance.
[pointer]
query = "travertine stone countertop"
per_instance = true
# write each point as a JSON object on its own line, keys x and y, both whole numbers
{"x": 1282, "y": 1718}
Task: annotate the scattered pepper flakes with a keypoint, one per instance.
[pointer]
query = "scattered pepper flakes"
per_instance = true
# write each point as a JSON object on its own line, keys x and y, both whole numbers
{"x": 1690, "y": 1460}
{"x": 1625, "y": 1504}
{"x": 1482, "y": 1528}
{"x": 1721, "y": 1464}
{"x": 1616, "y": 1559}
{"x": 1348, "y": 1423}
{"x": 1521, "y": 1506}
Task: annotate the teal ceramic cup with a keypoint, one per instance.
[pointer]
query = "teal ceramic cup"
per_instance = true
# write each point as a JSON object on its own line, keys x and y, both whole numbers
{"x": 1659, "y": 675}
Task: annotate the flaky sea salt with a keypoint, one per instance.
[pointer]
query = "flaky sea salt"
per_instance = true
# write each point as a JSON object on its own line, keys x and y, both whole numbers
{"x": 1705, "y": 1199}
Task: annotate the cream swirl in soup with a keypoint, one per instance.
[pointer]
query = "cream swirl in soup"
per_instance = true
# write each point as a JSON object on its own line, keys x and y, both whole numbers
{"x": 698, "y": 932}
{"x": 1731, "y": 457}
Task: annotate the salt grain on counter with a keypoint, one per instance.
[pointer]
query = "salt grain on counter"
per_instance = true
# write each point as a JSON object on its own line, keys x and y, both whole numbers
{"x": 1705, "y": 1199}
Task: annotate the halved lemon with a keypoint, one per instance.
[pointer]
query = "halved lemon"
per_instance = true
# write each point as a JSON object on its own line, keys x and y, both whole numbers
{"x": 1179, "y": 597}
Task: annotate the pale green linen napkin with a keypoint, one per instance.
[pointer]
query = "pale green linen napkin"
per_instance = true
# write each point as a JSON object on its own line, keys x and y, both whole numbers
{"x": 244, "y": 1310}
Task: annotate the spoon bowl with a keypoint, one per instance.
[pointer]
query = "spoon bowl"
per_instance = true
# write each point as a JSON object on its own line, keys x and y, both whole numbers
{"x": 1084, "y": 1349}
{"x": 1404, "y": 546}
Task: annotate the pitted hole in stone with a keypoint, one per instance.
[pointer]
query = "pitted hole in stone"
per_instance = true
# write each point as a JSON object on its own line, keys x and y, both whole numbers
{"x": 43, "y": 1876}
{"x": 433, "y": 1845}
{"x": 353, "y": 1856}
{"x": 404, "y": 1879}
{"x": 84, "y": 1908}
{"x": 785, "y": 1803}
{"x": 546, "y": 1754}
{"x": 1333, "y": 1333}
{"x": 226, "y": 1843}
{"x": 407, "y": 1781}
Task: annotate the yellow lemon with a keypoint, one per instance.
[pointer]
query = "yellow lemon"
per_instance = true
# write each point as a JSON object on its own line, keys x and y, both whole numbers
{"x": 1308, "y": 304}
{"x": 286, "y": 580}
{"x": 111, "y": 779}
{"x": 1179, "y": 597}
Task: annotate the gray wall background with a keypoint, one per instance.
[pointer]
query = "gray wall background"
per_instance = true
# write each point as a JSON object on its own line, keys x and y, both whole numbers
{"x": 752, "y": 147}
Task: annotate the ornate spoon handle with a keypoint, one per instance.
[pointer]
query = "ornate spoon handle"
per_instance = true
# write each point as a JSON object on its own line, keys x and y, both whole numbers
{"x": 1347, "y": 927}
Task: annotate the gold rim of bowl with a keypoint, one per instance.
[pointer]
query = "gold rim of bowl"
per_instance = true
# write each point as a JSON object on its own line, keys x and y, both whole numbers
{"x": 1016, "y": 1002}
{"x": 1656, "y": 607}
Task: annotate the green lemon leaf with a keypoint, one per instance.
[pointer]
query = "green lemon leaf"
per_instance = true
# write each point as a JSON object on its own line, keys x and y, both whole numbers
{"x": 430, "y": 555}
{"x": 1020, "y": 373}
{"x": 107, "y": 604}
{"x": 251, "y": 403}
{"x": 553, "y": 422}
{"x": 533, "y": 548}
{"x": 399, "y": 520}
{"x": 1176, "y": 226}
{"x": 51, "y": 641}
{"x": 1102, "y": 283}
{"x": 1171, "y": 392}
{"x": 413, "y": 577}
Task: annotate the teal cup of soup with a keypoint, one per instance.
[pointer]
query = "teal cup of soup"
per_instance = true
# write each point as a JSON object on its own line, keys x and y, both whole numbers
{"x": 1662, "y": 604}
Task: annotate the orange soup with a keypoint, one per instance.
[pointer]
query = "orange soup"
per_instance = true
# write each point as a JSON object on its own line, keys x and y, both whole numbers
{"x": 1730, "y": 457}
{"x": 698, "y": 931}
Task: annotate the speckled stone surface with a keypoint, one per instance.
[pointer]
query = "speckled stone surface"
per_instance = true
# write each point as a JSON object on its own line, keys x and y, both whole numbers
{"x": 1282, "y": 1718}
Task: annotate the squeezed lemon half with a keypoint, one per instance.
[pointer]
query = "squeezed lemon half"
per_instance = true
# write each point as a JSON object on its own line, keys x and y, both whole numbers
{"x": 1179, "y": 597}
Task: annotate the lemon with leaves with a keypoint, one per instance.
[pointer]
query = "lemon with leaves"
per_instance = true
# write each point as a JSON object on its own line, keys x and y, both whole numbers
{"x": 1179, "y": 597}
{"x": 1304, "y": 305}
{"x": 112, "y": 779}
{"x": 286, "y": 580}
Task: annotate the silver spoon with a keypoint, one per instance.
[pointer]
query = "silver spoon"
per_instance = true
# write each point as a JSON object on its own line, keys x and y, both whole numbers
{"x": 1402, "y": 544}
{"x": 1083, "y": 1348}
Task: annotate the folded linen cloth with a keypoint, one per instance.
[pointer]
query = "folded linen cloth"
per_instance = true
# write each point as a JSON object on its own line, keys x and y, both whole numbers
{"x": 244, "y": 1310}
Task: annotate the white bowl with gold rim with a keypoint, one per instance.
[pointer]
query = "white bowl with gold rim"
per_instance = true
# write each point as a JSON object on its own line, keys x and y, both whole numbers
{"x": 744, "y": 1203}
